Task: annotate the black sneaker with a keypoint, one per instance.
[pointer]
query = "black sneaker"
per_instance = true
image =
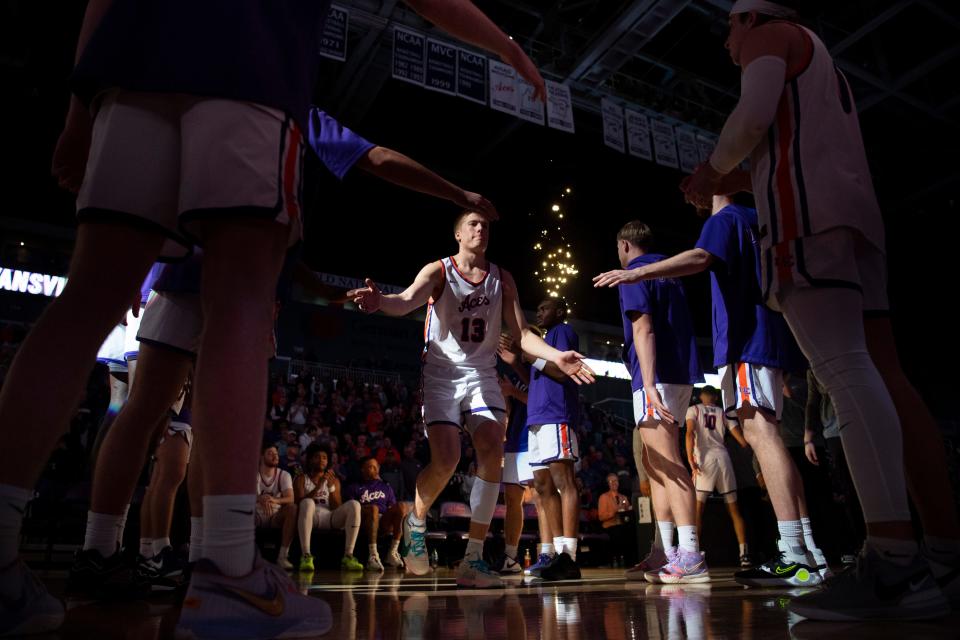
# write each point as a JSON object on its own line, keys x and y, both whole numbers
{"x": 876, "y": 589}
{"x": 159, "y": 574}
{"x": 780, "y": 573}
{"x": 745, "y": 561}
{"x": 563, "y": 567}
{"x": 114, "y": 577}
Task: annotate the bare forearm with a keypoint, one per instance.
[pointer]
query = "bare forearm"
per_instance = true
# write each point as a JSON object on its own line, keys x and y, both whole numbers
{"x": 682, "y": 264}
{"x": 406, "y": 172}
{"x": 462, "y": 19}
{"x": 646, "y": 346}
{"x": 397, "y": 305}
{"x": 534, "y": 345}
{"x": 690, "y": 444}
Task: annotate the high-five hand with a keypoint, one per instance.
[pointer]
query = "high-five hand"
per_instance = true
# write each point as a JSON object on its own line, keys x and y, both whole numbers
{"x": 618, "y": 276}
{"x": 571, "y": 363}
{"x": 368, "y": 298}
{"x": 476, "y": 202}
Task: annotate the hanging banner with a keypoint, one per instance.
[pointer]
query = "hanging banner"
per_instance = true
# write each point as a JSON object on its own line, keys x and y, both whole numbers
{"x": 559, "y": 107}
{"x": 687, "y": 149}
{"x": 705, "y": 145}
{"x": 441, "y": 67}
{"x": 664, "y": 144}
{"x": 638, "y": 134}
{"x": 503, "y": 87}
{"x": 612, "y": 125}
{"x": 472, "y": 76}
{"x": 529, "y": 108}
{"x": 409, "y": 48}
{"x": 333, "y": 38}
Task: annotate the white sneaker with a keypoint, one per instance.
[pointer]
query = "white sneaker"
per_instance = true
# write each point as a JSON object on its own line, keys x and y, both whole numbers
{"x": 510, "y": 566}
{"x": 33, "y": 610}
{"x": 414, "y": 544}
{"x": 285, "y": 564}
{"x": 263, "y": 604}
{"x": 477, "y": 574}
{"x": 393, "y": 560}
{"x": 374, "y": 564}
{"x": 816, "y": 559}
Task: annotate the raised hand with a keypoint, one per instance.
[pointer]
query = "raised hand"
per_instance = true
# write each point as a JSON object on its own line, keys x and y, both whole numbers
{"x": 476, "y": 202}
{"x": 654, "y": 399}
{"x": 617, "y": 277}
{"x": 699, "y": 188}
{"x": 571, "y": 363}
{"x": 368, "y": 298}
{"x": 524, "y": 66}
{"x": 508, "y": 350}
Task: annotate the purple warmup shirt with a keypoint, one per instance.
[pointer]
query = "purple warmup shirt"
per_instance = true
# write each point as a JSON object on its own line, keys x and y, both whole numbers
{"x": 549, "y": 401}
{"x": 338, "y": 148}
{"x": 375, "y": 492}
{"x": 152, "y": 276}
{"x": 744, "y": 329}
{"x": 664, "y": 299}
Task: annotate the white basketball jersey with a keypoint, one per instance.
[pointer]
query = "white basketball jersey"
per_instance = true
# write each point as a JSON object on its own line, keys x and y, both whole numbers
{"x": 463, "y": 324}
{"x": 322, "y": 497}
{"x": 810, "y": 172}
{"x": 274, "y": 486}
{"x": 710, "y": 426}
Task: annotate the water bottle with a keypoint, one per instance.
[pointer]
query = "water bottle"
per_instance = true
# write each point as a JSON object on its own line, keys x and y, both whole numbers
{"x": 434, "y": 559}
{"x": 527, "y": 561}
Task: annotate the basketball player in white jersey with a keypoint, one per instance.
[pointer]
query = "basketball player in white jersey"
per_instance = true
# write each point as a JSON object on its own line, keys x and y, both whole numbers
{"x": 468, "y": 300}
{"x": 823, "y": 242}
{"x": 276, "y": 508}
{"x": 712, "y": 468}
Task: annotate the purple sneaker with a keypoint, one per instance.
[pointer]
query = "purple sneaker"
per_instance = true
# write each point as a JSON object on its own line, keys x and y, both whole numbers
{"x": 687, "y": 567}
{"x": 542, "y": 561}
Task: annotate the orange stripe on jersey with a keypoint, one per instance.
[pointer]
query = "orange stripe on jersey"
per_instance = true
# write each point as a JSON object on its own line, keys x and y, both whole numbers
{"x": 290, "y": 172}
{"x": 564, "y": 440}
{"x": 743, "y": 382}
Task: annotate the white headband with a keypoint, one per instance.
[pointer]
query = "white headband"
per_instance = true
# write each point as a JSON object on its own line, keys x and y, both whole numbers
{"x": 764, "y": 7}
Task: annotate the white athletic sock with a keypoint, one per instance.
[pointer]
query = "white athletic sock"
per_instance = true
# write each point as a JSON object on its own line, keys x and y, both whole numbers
{"x": 546, "y": 548}
{"x": 394, "y": 546}
{"x": 942, "y": 550}
{"x": 474, "y": 549}
{"x": 743, "y": 549}
{"x": 101, "y": 533}
{"x": 122, "y": 525}
{"x": 808, "y": 533}
{"x": 687, "y": 535}
{"x": 901, "y": 552}
{"x": 510, "y": 551}
{"x": 13, "y": 502}
{"x": 196, "y": 539}
{"x": 570, "y": 547}
{"x": 657, "y": 537}
{"x": 415, "y": 521}
{"x": 374, "y": 552}
{"x": 791, "y": 535}
{"x": 159, "y": 544}
{"x": 665, "y": 528}
{"x": 228, "y": 533}
{"x": 284, "y": 553}
{"x": 558, "y": 544}
{"x": 146, "y": 547}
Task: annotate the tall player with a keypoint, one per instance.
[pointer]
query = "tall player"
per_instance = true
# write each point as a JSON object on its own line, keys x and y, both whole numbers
{"x": 712, "y": 468}
{"x": 468, "y": 300}
{"x": 553, "y": 411}
{"x": 661, "y": 356}
{"x": 823, "y": 248}
{"x": 751, "y": 347}
{"x": 176, "y": 88}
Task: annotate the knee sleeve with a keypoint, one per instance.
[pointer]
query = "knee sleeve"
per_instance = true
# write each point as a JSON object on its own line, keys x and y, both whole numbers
{"x": 483, "y": 500}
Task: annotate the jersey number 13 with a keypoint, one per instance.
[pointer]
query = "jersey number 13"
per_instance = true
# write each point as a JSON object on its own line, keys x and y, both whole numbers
{"x": 474, "y": 330}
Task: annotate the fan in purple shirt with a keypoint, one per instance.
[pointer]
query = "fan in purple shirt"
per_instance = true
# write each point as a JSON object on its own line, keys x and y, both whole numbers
{"x": 379, "y": 513}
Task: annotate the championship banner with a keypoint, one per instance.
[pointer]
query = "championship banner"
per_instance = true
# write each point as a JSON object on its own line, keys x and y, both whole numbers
{"x": 638, "y": 134}
{"x": 664, "y": 144}
{"x": 472, "y": 76}
{"x": 441, "y": 67}
{"x": 409, "y": 48}
{"x": 559, "y": 107}
{"x": 705, "y": 145}
{"x": 529, "y": 108}
{"x": 503, "y": 87}
{"x": 612, "y": 125}
{"x": 333, "y": 38}
{"x": 687, "y": 149}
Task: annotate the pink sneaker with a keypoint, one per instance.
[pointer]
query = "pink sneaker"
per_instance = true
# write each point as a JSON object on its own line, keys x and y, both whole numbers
{"x": 654, "y": 560}
{"x": 687, "y": 567}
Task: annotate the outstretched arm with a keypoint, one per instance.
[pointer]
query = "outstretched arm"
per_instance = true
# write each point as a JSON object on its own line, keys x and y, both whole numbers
{"x": 406, "y": 172}
{"x": 570, "y": 362}
{"x": 682, "y": 264}
{"x": 462, "y": 19}
{"x": 371, "y": 299}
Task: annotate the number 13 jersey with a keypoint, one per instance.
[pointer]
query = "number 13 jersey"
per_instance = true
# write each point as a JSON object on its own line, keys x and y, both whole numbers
{"x": 463, "y": 324}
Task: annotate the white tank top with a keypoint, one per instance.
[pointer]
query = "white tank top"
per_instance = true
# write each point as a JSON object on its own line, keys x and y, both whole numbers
{"x": 810, "y": 172}
{"x": 323, "y": 496}
{"x": 463, "y": 325}
{"x": 710, "y": 427}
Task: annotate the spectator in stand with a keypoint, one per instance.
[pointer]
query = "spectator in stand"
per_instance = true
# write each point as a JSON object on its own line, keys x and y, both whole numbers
{"x": 290, "y": 438}
{"x": 278, "y": 410}
{"x": 361, "y": 450}
{"x": 309, "y": 436}
{"x": 379, "y": 513}
{"x": 291, "y": 462}
{"x": 298, "y": 413}
{"x": 387, "y": 454}
{"x": 622, "y": 469}
{"x": 374, "y": 420}
{"x": 614, "y": 512}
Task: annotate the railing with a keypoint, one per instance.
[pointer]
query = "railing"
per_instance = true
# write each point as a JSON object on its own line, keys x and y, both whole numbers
{"x": 339, "y": 372}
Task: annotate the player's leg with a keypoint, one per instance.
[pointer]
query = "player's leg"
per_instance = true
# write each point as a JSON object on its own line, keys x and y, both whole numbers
{"x": 662, "y": 548}
{"x": 565, "y": 567}
{"x": 288, "y": 529}
{"x": 347, "y": 518}
{"x": 542, "y": 445}
{"x": 512, "y": 527}
{"x": 370, "y": 526}
{"x": 487, "y": 436}
{"x": 547, "y": 551}
{"x": 170, "y": 470}
{"x": 391, "y": 523}
{"x": 307, "y": 518}
{"x": 739, "y": 526}
{"x": 701, "y": 504}
{"x": 195, "y": 493}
